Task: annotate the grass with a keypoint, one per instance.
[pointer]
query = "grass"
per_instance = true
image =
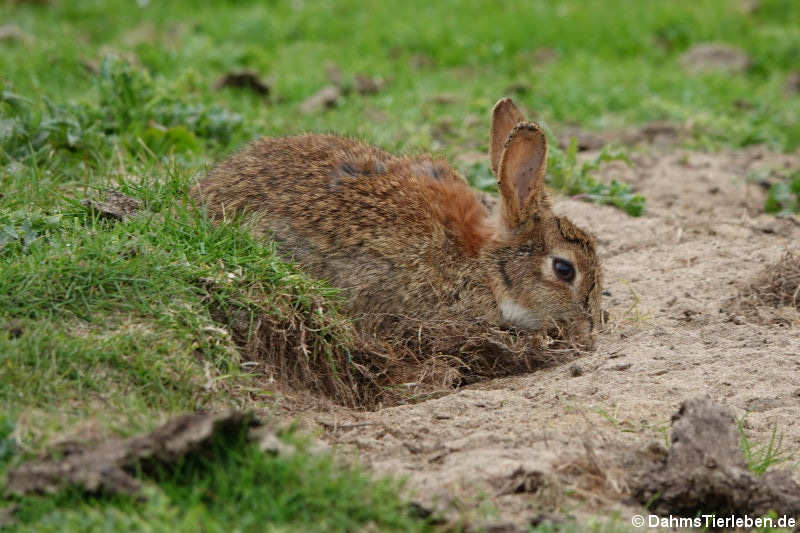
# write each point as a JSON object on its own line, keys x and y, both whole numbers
{"x": 110, "y": 327}
{"x": 127, "y": 303}
{"x": 784, "y": 196}
{"x": 614, "y": 63}
{"x": 762, "y": 457}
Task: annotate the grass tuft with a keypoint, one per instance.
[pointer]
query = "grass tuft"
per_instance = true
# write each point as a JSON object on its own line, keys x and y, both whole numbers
{"x": 761, "y": 458}
{"x": 783, "y": 197}
{"x": 569, "y": 177}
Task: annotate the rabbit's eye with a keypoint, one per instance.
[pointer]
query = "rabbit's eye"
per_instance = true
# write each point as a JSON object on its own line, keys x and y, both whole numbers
{"x": 564, "y": 270}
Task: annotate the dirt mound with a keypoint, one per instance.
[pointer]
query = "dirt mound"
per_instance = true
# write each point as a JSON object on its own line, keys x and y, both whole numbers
{"x": 107, "y": 466}
{"x": 772, "y": 296}
{"x": 704, "y": 471}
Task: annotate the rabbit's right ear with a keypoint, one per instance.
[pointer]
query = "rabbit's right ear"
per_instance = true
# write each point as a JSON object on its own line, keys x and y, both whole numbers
{"x": 521, "y": 175}
{"x": 505, "y": 116}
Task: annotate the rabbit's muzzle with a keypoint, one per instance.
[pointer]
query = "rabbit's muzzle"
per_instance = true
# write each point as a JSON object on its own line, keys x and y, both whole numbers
{"x": 576, "y": 328}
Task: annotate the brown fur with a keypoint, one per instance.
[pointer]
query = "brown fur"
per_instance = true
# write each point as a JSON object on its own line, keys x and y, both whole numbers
{"x": 408, "y": 236}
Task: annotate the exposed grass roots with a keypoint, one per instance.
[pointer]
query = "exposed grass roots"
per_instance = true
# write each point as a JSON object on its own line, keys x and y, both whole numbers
{"x": 409, "y": 361}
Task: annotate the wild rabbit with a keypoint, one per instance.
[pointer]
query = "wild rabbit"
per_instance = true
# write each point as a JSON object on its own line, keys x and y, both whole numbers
{"x": 407, "y": 236}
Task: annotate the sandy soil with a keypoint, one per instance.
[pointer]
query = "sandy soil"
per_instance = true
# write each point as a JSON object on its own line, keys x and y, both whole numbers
{"x": 547, "y": 442}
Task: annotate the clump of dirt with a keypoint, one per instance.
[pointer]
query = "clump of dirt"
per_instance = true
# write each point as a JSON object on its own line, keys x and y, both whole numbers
{"x": 243, "y": 79}
{"x": 408, "y": 361}
{"x": 115, "y": 206}
{"x": 13, "y": 328}
{"x": 108, "y": 466}
{"x": 366, "y": 85}
{"x": 704, "y": 471}
{"x": 326, "y": 98}
{"x": 772, "y": 296}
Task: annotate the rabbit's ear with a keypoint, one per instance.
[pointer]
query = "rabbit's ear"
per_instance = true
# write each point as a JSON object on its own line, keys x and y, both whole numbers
{"x": 521, "y": 175}
{"x": 505, "y": 116}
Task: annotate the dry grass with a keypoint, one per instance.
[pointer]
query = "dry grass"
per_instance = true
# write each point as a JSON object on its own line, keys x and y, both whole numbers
{"x": 773, "y": 295}
{"x": 405, "y": 362}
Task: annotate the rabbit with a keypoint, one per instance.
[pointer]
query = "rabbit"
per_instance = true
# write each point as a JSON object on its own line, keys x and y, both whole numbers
{"x": 407, "y": 236}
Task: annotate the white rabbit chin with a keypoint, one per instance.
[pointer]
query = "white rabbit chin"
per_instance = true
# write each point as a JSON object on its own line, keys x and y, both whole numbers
{"x": 515, "y": 315}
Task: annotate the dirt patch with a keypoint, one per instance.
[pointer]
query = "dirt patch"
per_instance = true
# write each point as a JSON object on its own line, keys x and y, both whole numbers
{"x": 13, "y": 33}
{"x": 714, "y": 57}
{"x": 772, "y": 296}
{"x": 108, "y": 466}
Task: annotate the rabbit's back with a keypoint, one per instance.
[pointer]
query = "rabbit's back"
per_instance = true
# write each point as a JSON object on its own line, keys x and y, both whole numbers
{"x": 393, "y": 231}
{"x": 408, "y": 236}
